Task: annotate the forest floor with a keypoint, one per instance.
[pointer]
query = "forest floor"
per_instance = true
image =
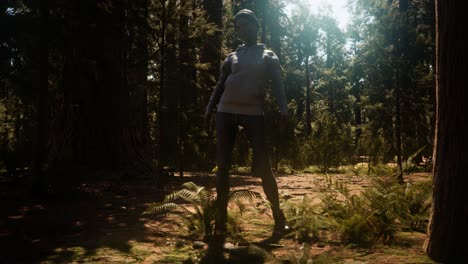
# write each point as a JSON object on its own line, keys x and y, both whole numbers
{"x": 104, "y": 224}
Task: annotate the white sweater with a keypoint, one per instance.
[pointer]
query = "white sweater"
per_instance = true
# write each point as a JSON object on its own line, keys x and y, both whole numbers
{"x": 244, "y": 76}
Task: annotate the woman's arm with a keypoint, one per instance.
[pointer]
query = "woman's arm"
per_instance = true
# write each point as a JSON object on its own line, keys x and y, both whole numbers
{"x": 219, "y": 88}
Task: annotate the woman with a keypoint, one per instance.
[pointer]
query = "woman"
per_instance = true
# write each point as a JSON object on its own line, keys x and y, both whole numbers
{"x": 238, "y": 98}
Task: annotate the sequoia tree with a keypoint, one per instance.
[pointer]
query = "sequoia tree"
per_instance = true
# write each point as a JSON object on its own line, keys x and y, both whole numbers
{"x": 448, "y": 229}
{"x": 99, "y": 125}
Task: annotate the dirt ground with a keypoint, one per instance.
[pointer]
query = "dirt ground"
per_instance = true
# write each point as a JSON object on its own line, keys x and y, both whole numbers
{"x": 104, "y": 224}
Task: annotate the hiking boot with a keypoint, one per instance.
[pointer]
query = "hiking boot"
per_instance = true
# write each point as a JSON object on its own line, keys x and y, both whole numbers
{"x": 281, "y": 228}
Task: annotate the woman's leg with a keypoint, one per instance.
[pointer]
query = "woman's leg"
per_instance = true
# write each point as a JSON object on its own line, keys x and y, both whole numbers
{"x": 225, "y": 136}
{"x": 255, "y": 130}
{"x": 226, "y": 128}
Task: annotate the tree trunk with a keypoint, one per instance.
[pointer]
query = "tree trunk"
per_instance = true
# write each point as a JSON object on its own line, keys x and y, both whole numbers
{"x": 357, "y": 114}
{"x": 308, "y": 99}
{"x": 210, "y": 52}
{"x": 401, "y": 83}
{"x": 169, "y": 112}
{"x": 162, "y": 83}
{"x": 397, "y": 125}
{"x": 448, "y": 230}
{"x": 139, "y": 69}
{"x": 100, "y": 129}
{"x": 187, "y": 91}
{"x": 41, "y": 135}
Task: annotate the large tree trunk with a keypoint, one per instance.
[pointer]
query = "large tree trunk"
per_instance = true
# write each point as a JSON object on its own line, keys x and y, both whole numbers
{"x": 169, "y": 102}
{"x": 401, "y": 84}
{"x": 211, "y": 52}
{"x": 138, "y": 69}
{"x": 448, "y": 229}
{"x": 116, "y": 121}
{"x": 100, "y": 130}
{"x": 187, "y": 91}
{"x": 41, "y": 135}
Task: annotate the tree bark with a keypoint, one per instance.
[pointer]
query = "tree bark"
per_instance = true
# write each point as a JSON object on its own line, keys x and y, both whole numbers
{"x": 397, "y": 125}
{"x": 187, "y": 92}
{"x": 401, "y": 83}
{"x": 448, "y": 230}
{"x": 100, "y": 128}
{"x": 169, "y": 102}
{"x": 211, "y": 50}
{"x": 308, "y": 121}
{"x": 41, "y": 135}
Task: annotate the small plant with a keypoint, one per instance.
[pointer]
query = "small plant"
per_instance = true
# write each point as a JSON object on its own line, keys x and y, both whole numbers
{"x": 305, "y": 218}
{"x": 198, "y": 210}
{"x": 348, "y": 214}
{"x": 302, "y": 256}
{"x": 360, "y": 218}
{"x": 268, "y": 257}
{"x": 417, "y": 200}
{"x": 409, "y": 166}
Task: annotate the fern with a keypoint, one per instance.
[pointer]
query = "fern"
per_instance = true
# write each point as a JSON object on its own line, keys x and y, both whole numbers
{"x": 306, "y": 219}
{"x": 409, "y": 165}
{"x": 199, "y": 220}
{"x": 267, "y": 257}
{"x": 379, "y": 211}
{"x": 238, "y": 195}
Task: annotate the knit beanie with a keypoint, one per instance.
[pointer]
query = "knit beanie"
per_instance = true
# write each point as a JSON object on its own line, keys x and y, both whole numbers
{"x": 249, "y": 15}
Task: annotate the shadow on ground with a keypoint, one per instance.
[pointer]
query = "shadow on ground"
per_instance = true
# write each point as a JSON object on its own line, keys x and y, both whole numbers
{"x": 104, "y": 215}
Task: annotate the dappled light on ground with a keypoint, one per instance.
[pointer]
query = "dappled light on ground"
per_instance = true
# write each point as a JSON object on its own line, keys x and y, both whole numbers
{"x": 104, "y": 224}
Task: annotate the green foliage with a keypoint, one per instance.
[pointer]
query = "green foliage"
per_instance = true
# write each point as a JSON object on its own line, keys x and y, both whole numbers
{"x": 379, "y": 211}
{"x": 195, "y": 205}
{"x": 348, "y": 214}
{"x": 306, "y": 219}
{"x": 382, "y": 169}
{"x": 268, "y": 257}
{"x": 409, "y": 165}
{"x": 417, "y": 201}
{"x": 352, "y": 78}
{"x": 15, "y": 126}
{"x": 330, "y": 144}
{"x": 240, "y": 170}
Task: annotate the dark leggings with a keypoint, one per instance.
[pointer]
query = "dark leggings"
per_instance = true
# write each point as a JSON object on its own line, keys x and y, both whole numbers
{"x": 226, "y": 130}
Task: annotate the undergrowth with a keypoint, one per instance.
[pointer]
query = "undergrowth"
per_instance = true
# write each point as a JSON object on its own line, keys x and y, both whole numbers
{"x": 195, "y": 206}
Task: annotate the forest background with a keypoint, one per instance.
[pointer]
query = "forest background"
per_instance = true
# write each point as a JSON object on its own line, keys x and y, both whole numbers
{"x": 122, "y": 85}
{"x": 90, "y": 89}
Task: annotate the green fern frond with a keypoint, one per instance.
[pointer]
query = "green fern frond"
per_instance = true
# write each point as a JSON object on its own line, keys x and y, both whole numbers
{"x": 191, "y": 186}
{"x": 184, "y": 194}
{"x": 166, "y": 208}
{"x": 204, "y": 196}
{"x": 245, "y": 194}
{"x": 267, "y": 256}
{"x": 238, "y": 195}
